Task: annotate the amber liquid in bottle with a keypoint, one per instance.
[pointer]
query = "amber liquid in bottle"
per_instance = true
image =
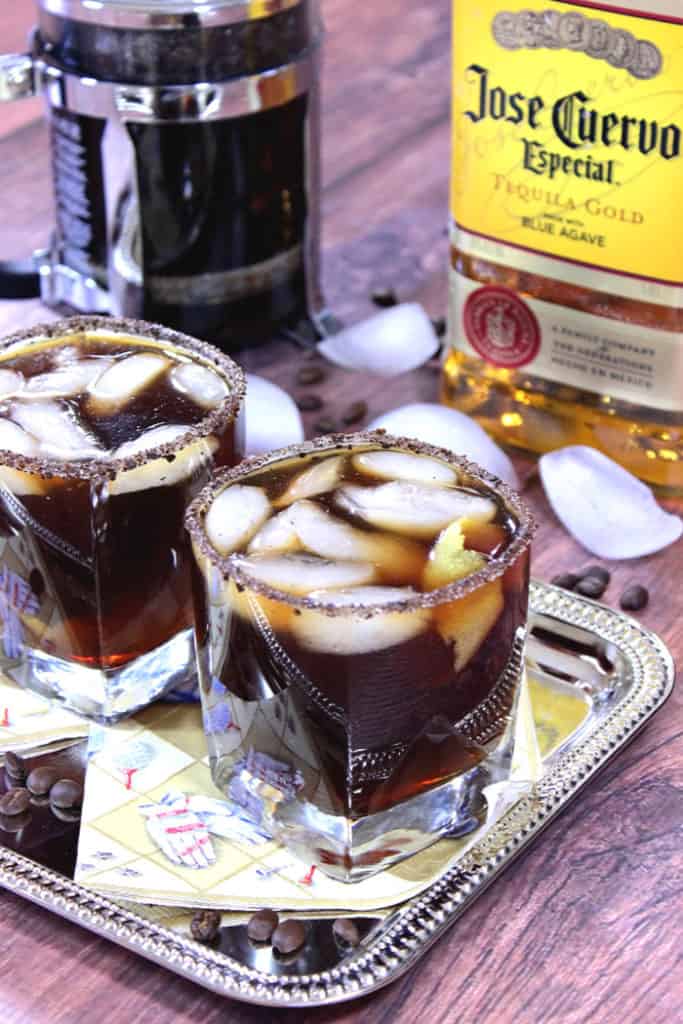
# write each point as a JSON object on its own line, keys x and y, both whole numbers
{"x": 539, "y": 415}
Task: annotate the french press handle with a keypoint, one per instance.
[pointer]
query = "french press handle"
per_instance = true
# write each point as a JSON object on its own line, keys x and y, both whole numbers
{"x": 19, "y": 279}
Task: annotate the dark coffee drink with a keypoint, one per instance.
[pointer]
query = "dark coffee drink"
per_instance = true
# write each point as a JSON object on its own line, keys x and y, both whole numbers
{"x": 107, "y": 430}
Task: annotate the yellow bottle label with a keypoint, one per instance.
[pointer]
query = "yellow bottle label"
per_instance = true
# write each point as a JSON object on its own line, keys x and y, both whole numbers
{"x": 568, "y": 136}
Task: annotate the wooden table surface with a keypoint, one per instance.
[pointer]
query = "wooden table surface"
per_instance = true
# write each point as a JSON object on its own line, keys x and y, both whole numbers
{"x": 586, "y": 926}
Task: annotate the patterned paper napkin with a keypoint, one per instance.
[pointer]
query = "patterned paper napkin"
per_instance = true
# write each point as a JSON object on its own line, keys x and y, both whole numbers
{"x": 32, "y": 723}
{"x": 155, "y": 765}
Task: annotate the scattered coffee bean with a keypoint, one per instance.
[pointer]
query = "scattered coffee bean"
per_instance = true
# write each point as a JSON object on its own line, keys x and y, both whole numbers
{"x": 310, "y": 375}
{"x": 41, "y": 780}
{"x": 597, "y": 572}
{"x": 355, "y": 412}
{"x": 325, "y": 426}
{"x": 439, "y": 325}
{"x": 346, "y": 931}
{"x": 566, "y": 580}
{"x": 15, "y": 801}
{"x": 14, "y": 822}
{"x": 205, "y": 925}
{"x": 634, "y": 598}
{"x": 261, "y": 925}
{"x": 309, "y": 403}
{"x": 15, "y": 767}
{"x": 66, "y": 794}
{"x": 384, "y": 297}
{"x": 288, "y": 937}
{"x": 590, "y": 586}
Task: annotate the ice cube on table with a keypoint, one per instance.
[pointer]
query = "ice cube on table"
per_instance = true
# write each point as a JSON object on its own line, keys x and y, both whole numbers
{"x": 161, "y": 472}
{"x": 204, "y": 386}
{"x": 272, "y": 418}
{"x": 387, "y": 344}
{"x": 320, "y": 478}
{"x": 607, "y": 509}
{"x": 124, "y": 380}
{"x": 350, "y": 633}
{"x": 234, "y": 517}
{"x": 321, "y": 533}
{"x": 417, "y": 510}
{"x": 60, "y": 434}
{"x": 388, "y": 465}
{"x": 299, "y": 574}
{"x": 11, "y": 383}
{"x": 65, "y": 381}
{"x": 447, "y": 428}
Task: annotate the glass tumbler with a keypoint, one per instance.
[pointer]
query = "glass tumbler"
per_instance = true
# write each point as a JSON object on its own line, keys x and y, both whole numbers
{"x": 108, "y": 429}
{"x": 361, "y": 611}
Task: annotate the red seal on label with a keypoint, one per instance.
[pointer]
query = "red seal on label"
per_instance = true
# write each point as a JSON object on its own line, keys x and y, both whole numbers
{"x": 501, "y": 328}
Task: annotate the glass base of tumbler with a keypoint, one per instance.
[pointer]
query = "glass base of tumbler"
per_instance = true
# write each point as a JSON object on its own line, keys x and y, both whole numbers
{"x": 351, "y": 850}
{"x": 108, "y": 695}
{"x": 345, "y": 815}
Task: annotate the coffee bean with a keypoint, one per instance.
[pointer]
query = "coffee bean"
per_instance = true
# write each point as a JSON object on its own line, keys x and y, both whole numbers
{"x": 384, "y": 297}
{"x": 566, "y": 580}
{"x": 309, "y": 403}
{"x": 205, "y": 925}
{"x": 634, "y": 598}
{"x": 439, "y": 325}
{"x": 590, "y": 586}
{"x": 66, "y": 794}
{"x": 261, "y": 925}
{"x": 346, "y": 931}
{"x": 597, "y": 572}
{"x": 325, "y": 426}
{"x": 15, "y": 767}
{"x": 288, "y": 937}
{"x": 355, "y": 412}
{"x": 14, "y": 822}
{"x": 41, "y": 780}
{"x": 310, "y": 375}
{"x": 15, "y": 801}
{"x": 70, "y": 815}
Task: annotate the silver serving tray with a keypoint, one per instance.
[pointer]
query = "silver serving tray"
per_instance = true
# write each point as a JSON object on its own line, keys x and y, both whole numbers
{"x": 626, "y": 674}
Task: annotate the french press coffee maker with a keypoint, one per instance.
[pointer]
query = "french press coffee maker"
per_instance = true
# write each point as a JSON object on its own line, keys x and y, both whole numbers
{"x": 185, "y": 162}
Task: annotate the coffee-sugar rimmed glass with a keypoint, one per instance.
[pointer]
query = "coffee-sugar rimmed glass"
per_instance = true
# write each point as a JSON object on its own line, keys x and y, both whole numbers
{"x": 361, "y": 614}
{"x": 108, "y": 429}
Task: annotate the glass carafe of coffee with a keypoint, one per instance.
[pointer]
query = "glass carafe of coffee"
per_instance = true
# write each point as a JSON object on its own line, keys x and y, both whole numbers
{"x": 185, "y": 152}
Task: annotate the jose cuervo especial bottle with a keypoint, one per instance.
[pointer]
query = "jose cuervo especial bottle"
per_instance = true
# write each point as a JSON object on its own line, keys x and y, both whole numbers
{"x": 566, "y": 280}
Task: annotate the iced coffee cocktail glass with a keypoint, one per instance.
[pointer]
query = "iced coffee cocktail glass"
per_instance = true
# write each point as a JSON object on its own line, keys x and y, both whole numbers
{"x": 108, "y": 428}
{"x": 361, "y": 610}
